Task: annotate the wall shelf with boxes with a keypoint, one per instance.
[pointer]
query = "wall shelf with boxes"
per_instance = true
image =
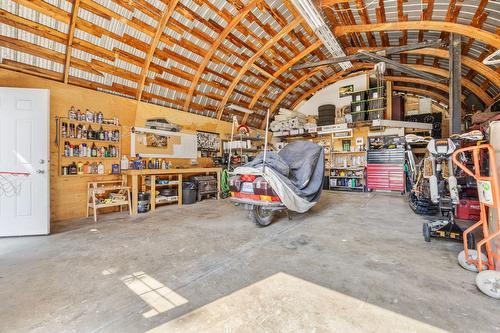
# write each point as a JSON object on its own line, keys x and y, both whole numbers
{"x": 368, "y": 104}
{"x": 88, "y": 144}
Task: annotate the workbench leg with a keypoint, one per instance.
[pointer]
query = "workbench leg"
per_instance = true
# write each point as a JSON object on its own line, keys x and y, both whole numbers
{"x": 129, "y": 202}
{"x": 152, "y": 179}
{"x": 218, "y": 185}
{"x": 135, "y": 193}
{"x": 95, "y": 208}
{"x": 88, "y": 201}
{"x": 179, "y": 190}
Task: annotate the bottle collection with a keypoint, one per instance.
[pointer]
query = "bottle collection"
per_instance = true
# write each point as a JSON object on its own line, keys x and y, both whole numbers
{"x": 80, "y": 168}
{"x": 87, "y": 150}
{"x": 81, "y": 132}
{"x": 90, "y": 117}
{"x": 140, "y": 164}
{"x": 103, "y": 142}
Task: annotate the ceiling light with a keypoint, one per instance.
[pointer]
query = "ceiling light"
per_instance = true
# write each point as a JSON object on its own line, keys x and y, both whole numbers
{"x": 310, "y": 13}
{"x": 236, "y": 107}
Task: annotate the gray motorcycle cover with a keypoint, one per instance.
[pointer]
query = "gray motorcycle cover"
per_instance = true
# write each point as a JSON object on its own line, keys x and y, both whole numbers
{"x": 295, "y": 173}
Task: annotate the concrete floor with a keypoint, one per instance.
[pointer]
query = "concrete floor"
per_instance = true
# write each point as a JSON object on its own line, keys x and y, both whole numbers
{"x": 191, "y": 266}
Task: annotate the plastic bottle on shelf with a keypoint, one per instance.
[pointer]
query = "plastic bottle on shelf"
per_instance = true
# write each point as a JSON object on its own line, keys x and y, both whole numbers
{"x": 94, "y": 150}
{"x": 72, "y": 170}
{"x": 124, "y": 164}
{"x": 86, "y": 168}
{"x": 100, "y": 168}
{"x": 90, "y": 133}
{"x": 100, "y": 117}
{"x": 72, "y": 113}
{"x": 79, "y": 168}
{"x": 101, "y": 134}
{"x": 64, "y": 130}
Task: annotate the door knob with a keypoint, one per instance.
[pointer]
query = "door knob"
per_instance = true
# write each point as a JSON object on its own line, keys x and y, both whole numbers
{"x": 40, "y": 171}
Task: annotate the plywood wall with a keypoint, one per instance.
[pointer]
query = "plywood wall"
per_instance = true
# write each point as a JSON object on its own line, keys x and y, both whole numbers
{"x": 68, "y": 194}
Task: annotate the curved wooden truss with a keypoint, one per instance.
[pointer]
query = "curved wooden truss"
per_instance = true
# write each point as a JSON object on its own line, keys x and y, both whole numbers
{"x": 423, "y": 92}
{"x": 432, "y": 85}
{"x": 471, "y": 63}
{"x": 227, "y": 30}
{"x": 154, "y": 43}
{"x": 252, "y": 60}
{"x": 464, "y": 30}
{"x": 200, "y": 55}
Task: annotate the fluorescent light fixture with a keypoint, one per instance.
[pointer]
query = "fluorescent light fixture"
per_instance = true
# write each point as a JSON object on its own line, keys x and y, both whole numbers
{"x": 238, "y": 108}
{"x": 310, "y": 13}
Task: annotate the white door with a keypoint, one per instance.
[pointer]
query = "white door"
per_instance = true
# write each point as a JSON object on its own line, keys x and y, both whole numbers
{"x": 24, "y": 147}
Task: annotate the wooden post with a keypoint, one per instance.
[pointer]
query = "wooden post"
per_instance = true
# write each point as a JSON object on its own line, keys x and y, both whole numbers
{"x": 135, "y": 193}
{"x": 388, "y": 92}
{"x": 179, "y": 190}
{"x": 455, "y": 85}
{"x": 152, "y": 187}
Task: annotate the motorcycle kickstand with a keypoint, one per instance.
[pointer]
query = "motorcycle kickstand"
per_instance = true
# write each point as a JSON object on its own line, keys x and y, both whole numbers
{"x": 288, "y": 215}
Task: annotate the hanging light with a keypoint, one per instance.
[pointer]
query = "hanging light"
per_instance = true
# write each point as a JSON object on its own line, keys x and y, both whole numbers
{"x": 236, "y": 107}
{"x": 310, "y": 13}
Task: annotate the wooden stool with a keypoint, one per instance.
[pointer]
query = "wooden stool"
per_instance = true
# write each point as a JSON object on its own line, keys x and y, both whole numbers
{"x": 94, "y": 188}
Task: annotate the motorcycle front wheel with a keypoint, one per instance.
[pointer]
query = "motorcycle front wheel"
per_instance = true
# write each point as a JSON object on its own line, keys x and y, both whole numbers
{"x": 260, "y": 216}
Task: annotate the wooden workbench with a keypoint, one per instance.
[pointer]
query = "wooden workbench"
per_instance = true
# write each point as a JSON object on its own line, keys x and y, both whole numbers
{"x": 131, "y": 177}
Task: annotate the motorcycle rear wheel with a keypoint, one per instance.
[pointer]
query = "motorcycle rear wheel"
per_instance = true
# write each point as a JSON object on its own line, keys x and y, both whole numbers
{"x": 260, "y": 216}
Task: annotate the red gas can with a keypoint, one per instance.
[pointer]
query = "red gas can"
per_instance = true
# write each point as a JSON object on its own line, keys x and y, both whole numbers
{"x": 468, "y": 209}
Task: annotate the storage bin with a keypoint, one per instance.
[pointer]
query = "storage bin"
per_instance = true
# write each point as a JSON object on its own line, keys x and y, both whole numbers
{"x": 358, "y": 96}
{"x": 188, "y": 193}
{"x": 358, "y": 116}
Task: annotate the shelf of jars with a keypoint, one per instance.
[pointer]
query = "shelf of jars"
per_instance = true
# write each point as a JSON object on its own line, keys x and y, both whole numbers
{"x": 88, "y": 144}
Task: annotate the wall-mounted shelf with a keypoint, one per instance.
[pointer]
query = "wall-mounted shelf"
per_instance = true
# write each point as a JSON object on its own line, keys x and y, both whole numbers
{"x": 74, "y": 140}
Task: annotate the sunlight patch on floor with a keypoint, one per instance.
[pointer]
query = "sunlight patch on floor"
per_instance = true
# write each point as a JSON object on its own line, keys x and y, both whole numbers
{"x": 153, "y": 292}
{"x": 283, "y": 303}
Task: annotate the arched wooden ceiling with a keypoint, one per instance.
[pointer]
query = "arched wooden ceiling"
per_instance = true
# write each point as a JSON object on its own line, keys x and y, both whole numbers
{"x": 198, "y": 55}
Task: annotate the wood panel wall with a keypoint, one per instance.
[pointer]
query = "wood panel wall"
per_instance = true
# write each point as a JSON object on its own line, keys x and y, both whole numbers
{"x": 68, "y": 194}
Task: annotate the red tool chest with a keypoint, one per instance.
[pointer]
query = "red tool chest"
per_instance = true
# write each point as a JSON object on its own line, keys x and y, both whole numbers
{"x": 388, "y": 177}
{"x": 468, "y": 209}
{"x": 385, "y": 169}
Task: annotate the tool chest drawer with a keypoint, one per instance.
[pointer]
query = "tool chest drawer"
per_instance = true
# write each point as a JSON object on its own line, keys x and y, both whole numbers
{"x": 388, "y": 177}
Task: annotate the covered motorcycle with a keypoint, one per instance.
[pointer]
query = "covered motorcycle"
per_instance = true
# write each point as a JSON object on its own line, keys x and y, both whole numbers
{"x": 289, "y": 180}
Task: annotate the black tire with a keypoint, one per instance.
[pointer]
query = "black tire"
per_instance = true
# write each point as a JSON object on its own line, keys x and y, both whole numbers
{"x": 471, "y": 241}
{"x": 427, "y": 232}
{"x": 260, "y": 216}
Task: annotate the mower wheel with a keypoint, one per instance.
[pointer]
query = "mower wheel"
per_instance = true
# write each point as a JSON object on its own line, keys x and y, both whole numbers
{"x": 427, "y": 232}
{"x": 470, "y": 266}
{"x": 260, "y": 216}
{"x": 489, "y": 283}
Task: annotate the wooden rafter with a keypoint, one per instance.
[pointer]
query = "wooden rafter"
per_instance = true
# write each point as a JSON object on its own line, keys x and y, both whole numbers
{"x": 423, "y": 92}
{"x": 430, "y": 84}
{"x": 465, "y": 30}
{"x": 215, "y": 45}
{"x": 154, "y": 43}
{"x": 71, "y": 34}
{"x": 474, "y": 64}
{"x": 282, "y": 69}
{"x": 292, "y": 25}
{"x": 475, "y": 89}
